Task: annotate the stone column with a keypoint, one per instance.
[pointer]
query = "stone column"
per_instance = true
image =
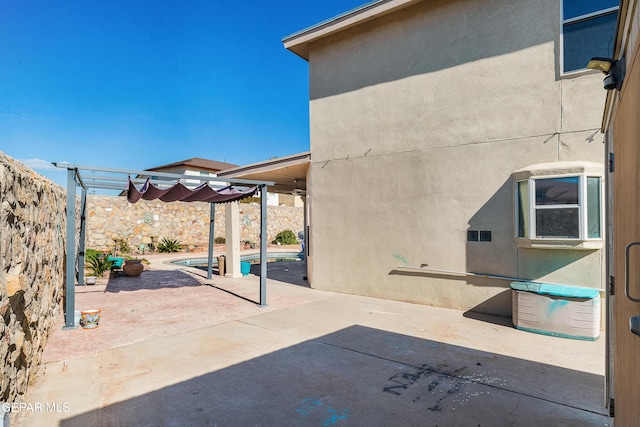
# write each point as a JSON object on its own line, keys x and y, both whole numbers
{"x": 232, "y": 239}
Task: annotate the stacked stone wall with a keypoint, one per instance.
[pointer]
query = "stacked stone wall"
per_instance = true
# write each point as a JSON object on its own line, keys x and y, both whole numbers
{"x": 32, "y": 261}
{"x": 111, "y": 219}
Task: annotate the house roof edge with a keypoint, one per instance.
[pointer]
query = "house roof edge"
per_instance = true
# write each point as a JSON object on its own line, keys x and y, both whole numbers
{"x": 298, "y": 42}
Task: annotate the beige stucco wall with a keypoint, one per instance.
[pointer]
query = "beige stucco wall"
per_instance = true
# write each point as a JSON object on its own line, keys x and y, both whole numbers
{"x": 417, "y": 122}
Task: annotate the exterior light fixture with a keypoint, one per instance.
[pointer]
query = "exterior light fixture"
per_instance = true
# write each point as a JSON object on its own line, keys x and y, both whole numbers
{"x": 613, "y": 70}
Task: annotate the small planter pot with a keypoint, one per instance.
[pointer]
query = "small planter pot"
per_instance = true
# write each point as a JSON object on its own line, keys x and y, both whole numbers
{"x": 245, "y": 268}
{"x": 89, "y": 318}
{"x": 90, "y": 280}
{"x": 133, "y": 267}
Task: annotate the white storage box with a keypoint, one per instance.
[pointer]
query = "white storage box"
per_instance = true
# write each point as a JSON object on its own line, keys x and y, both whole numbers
{"x": 557, "y": 310}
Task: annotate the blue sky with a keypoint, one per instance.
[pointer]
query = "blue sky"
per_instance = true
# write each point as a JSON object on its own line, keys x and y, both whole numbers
{"x": 136, "y": 84}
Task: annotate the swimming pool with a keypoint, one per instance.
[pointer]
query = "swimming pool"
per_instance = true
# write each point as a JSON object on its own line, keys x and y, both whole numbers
{"x": 253, "y": 259}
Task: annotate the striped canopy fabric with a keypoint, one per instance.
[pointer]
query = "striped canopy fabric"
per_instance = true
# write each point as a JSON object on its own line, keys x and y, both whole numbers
{"x": 180, "y": 193}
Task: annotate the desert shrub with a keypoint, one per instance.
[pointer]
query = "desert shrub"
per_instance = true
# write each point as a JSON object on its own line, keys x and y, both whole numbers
{"x": 251, "y": 199}
{"x": 167, "y": 245}
{"x": 91, "y": 253}
{"x": 124, "y": 246}
{"x": 219, "y": 240}
{"x": 97, "y": 262}
{"x": 285, "y": 237}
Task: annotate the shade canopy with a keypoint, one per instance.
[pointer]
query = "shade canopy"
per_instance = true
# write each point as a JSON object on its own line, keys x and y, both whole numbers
{"x": 180, "y": 193}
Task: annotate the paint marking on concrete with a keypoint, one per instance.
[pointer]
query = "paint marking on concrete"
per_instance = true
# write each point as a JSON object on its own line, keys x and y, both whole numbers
{"x": 311, "y": 406}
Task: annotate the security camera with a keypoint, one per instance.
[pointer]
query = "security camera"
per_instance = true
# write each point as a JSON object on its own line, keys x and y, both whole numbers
{"x": 610, "y": 82}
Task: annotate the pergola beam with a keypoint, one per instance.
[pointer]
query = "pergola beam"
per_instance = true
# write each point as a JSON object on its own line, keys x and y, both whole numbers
{"x": 121, "y": 182}
{"x": 150, "y": 174}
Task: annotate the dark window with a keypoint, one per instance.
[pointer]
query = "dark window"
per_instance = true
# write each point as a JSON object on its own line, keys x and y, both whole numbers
{"x": 588, "y": 30}
{"x": 478, "y": 236}
{"x": 575, "y": 8}
{"x": 558, "y": 223}
{"x": 485, "y": 236}
{"x": 557, "y": 191}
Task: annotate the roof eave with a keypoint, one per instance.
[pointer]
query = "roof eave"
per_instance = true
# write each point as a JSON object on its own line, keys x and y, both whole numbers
{"x": 298, "y": 42}
{"x": 299, "y": 158}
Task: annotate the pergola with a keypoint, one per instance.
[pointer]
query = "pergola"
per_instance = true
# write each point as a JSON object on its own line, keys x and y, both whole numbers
{"x": 167, "y": 187}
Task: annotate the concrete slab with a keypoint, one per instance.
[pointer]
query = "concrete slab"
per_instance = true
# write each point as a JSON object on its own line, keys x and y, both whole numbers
{"x": 311, "y": 358}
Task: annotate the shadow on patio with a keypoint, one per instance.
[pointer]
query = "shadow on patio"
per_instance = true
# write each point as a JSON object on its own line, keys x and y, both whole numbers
{"x": 359, "y": 376}
{"x": 152, "y": 279}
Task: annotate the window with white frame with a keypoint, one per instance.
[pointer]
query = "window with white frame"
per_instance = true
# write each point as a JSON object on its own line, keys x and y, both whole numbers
{"x": 588, "y": 29}
{"x": 559, "y": 207}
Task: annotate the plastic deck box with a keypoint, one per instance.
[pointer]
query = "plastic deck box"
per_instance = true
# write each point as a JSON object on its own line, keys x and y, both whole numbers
{"x": 557, "y": 310}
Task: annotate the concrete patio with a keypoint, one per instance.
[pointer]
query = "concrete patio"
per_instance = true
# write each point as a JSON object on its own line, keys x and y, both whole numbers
{"x": 175, "y": 349}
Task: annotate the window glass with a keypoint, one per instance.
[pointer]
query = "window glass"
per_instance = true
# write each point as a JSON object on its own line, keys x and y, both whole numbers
{"x": 558, "y": 223}
{"x": 566, "y": 207}
{"x": 523, "y": 208}
{"x": 575, "y": 8}
{"x": 593, "y": 207}
{"x": 585, "y": 39}
{"x": 485, "y": 235}
{"x": 557, "y": 191}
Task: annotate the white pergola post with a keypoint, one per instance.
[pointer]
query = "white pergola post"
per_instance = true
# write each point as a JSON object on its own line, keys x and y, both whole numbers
{"x": 263, "y": 245}
{"x": 212, "y": 220}
{"x": 232, "y": 239}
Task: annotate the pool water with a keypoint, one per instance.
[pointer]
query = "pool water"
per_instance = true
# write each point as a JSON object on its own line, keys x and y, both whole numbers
{"x": 253, "y": 259}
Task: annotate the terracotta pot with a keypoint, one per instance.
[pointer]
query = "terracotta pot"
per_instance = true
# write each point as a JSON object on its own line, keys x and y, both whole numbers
{"x": 133, "y": 267}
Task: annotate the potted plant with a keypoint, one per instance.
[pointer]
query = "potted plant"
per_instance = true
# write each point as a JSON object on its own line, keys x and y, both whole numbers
{"x": 97, "y": 264}
{"x": 133, "y": 267}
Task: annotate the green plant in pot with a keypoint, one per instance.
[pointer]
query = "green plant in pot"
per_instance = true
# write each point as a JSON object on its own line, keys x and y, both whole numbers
{"x": 98, "y": 264}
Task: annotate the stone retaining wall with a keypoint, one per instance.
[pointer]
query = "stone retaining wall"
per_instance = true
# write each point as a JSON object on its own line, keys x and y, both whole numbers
{"x": 32, "y": 253}
{"x": 111, "y": 219}
{"x": 32, "y": 260}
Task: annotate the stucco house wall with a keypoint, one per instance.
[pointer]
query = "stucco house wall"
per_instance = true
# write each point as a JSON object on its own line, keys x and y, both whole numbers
{"x": 418, "y": 120}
